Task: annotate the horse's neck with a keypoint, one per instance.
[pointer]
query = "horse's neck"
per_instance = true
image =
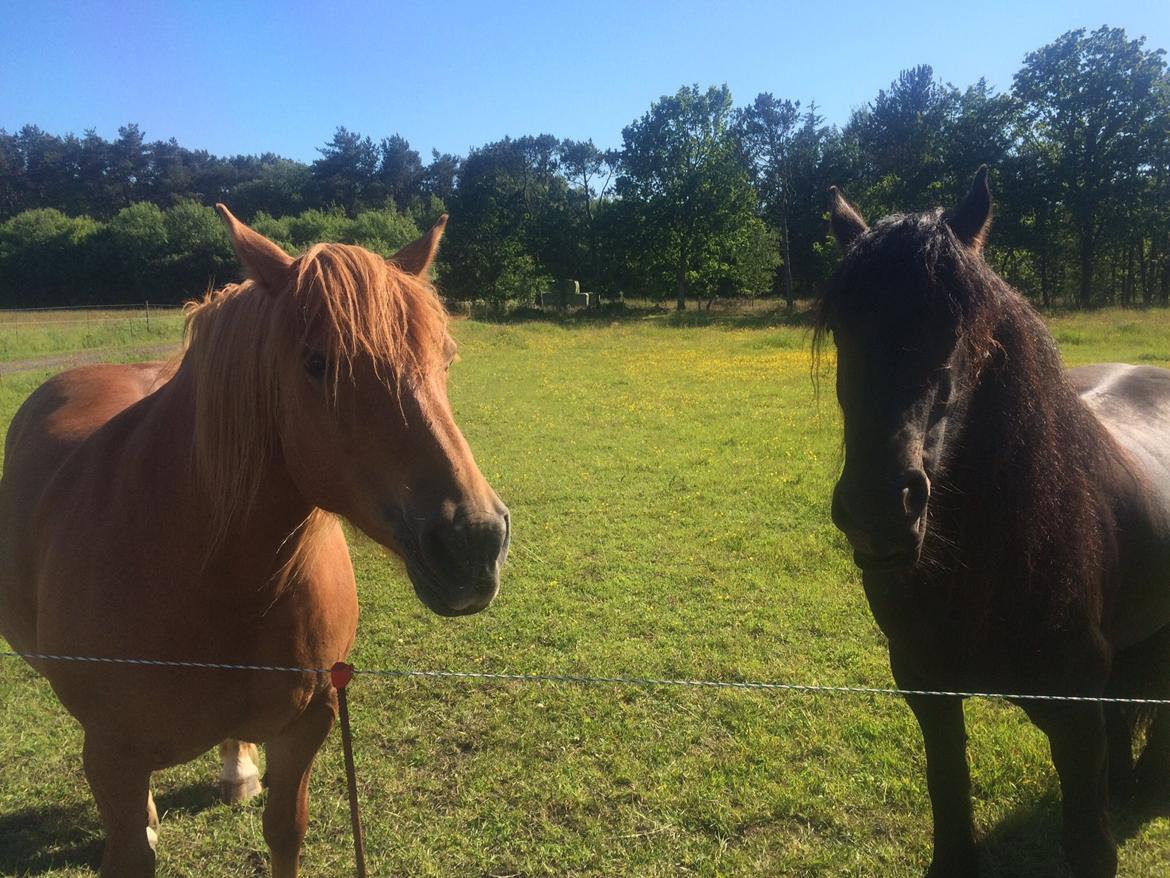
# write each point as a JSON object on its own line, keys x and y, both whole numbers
{"x": 257, "y": 543}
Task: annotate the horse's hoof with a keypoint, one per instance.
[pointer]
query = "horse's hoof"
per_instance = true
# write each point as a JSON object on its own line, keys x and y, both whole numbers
{"x": 1152, "y": 793}
{"x": 234, "y": 792}
{"x": 954, "y": 867}
{"x": 1152, "y": 782}
{"x": 961, "y": 872}
{"x": 152, "y": 837}
{"x": 1095, "y": 860}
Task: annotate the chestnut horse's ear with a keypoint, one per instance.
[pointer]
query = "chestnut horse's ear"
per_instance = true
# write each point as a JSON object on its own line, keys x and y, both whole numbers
{"x": 971, "y": 220}
{"x": 264, "y": 261}
{"x": 846, "y": 221}
{"x": 416, "y": 257}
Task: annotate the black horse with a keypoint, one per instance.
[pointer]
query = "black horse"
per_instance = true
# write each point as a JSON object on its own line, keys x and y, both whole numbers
{"x": 1011, "y": 519}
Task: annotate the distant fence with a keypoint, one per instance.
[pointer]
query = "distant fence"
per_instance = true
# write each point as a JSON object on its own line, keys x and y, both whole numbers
{"x": 35, "y": 318}
{"x": 53, "y": 337}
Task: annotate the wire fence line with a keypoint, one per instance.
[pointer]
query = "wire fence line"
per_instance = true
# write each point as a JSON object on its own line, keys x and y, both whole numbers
{"x": 114, "y": 307}
{"x": 7, "y": 323}
{"x": 587, "y": 680}
{"x": 18, "y": 319}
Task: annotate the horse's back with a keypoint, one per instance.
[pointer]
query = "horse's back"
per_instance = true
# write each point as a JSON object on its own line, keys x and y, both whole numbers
{"x": 1133, "y": 404}
{"x": 49, "y": 426}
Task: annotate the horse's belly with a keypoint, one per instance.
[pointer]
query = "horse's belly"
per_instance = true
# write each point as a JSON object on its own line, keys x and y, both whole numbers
{"x": 1133, "y": 404}
{"x": 175, "y": 713}
{"x": 1139, "y": 603}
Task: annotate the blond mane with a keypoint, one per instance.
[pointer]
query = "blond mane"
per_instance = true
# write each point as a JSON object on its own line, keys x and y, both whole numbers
{"x": 245, "y": 343}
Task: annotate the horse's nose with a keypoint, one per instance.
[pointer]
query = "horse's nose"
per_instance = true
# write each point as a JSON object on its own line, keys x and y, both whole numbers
{"x": 882, "y": 523}
{"x": 465, "y": 552}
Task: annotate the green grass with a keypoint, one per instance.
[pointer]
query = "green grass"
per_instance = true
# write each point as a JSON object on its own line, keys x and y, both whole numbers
{"x": 1135, "y": 336}
{"x": 669, "y": 483}
{"x": 28, "y": 334}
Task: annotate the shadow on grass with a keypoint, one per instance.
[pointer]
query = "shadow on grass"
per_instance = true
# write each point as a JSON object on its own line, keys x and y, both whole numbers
{"x": 1027, "y": 843}
{"x": 736, "y": 315}
{"x": 40, "y": 840}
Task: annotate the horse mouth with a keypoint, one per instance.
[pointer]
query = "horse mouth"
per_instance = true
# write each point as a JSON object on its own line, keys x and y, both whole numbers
{"x": 891, "y": 562}
{"x": 429, "y": 587}
{"x": 428, "y": 590}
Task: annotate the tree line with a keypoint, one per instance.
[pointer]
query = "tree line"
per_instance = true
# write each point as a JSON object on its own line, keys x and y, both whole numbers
{"x": 702, "y": 199}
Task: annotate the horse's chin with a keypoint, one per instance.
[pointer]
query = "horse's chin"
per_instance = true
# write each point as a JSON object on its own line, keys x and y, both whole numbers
{"x": 894, "y": 562}
{"x": 430, "y": 593}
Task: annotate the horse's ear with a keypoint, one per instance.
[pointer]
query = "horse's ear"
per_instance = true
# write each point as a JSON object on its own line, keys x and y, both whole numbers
{"x": 846, "y": 221}
{"x": 264, "y": 261}
{"x": 971, "y": 220}
{"x": 416, "y": 257}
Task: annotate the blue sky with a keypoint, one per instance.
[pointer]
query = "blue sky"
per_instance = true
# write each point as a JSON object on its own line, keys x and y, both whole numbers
{"x": 242, "y": 77}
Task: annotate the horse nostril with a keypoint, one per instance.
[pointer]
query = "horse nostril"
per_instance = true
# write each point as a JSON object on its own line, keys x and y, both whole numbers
{"x": 467, "y": 546}
{"x": 507, "y": 541}
{"x": 915, "y": 494}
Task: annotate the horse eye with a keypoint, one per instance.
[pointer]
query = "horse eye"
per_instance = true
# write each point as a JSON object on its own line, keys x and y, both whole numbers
{"x": 315, "y": 365}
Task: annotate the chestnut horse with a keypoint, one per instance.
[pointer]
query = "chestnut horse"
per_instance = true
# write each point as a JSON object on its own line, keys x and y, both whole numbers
{"x": 1011, "y": 520}
{"x": 188, "y": 513}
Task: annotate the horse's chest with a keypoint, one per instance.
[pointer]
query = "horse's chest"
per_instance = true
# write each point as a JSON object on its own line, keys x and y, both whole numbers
{"x": 939, "y": 636}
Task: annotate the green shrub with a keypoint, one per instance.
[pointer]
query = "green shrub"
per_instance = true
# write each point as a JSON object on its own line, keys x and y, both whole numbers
{"x": 45, "y": 258}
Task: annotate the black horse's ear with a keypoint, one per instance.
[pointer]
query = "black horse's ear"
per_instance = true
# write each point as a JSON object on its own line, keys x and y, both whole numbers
{"x": 846, "y": 221}
{"x": 971, "y": 220}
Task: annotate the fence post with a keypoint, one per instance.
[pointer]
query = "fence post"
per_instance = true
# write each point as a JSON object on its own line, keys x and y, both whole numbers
{"x": 148, "y": 317}
{"x": 340, "y": 675}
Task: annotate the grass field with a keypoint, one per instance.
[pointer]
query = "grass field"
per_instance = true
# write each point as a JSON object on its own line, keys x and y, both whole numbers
{"x": 669, "y": 481}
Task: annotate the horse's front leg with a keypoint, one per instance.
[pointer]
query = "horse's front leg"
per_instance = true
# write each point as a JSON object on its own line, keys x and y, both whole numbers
{"x": 947, "y": 778}
{"x": 239, "y": 774}
{"x": 290, "y": 757}
{"x": 949, "y": 783}
{"x": 1076, "y": 734}
{"x": 120, "y": 781}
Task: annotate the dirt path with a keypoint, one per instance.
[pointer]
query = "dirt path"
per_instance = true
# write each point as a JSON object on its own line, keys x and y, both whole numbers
{"x": 79, "y": 358}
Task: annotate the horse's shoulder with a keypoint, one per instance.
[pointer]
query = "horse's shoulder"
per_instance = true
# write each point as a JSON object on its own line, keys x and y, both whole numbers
{"x": 73, "y": 404}
{"x": 64, "y": 413}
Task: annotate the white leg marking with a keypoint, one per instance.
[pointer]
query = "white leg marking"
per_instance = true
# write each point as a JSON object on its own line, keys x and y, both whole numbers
{"x": 239, "y": 778}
